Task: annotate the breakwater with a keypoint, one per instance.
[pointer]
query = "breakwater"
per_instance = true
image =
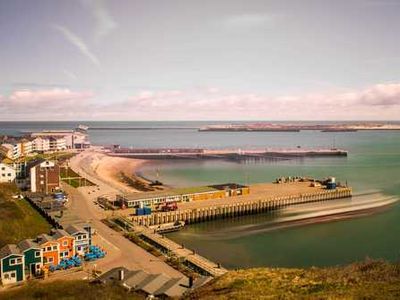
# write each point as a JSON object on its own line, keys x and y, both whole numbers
{"x": 229, "y": 154}
{"x": 244, "y": 207}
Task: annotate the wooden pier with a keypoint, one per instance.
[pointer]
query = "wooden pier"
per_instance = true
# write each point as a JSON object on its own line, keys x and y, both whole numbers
{"x": 191, "y": 259}
{"x": 243, "y": 207}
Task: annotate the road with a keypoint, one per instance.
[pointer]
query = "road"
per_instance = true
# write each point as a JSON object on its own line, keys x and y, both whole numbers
{"x": 120, "y": 251}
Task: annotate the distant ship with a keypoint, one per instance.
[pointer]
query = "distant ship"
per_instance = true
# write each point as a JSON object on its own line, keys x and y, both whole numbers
{"x": 83, "y": 128}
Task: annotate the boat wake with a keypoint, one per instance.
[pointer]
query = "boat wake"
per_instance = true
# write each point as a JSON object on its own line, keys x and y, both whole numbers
{"x": 364, "y": 204}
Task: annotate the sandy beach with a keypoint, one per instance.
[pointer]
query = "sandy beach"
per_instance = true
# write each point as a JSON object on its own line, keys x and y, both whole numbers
{"x": 108, "y": 168}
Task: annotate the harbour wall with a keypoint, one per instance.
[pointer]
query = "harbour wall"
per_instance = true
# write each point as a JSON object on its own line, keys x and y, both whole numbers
{"x": 196, "y": 215}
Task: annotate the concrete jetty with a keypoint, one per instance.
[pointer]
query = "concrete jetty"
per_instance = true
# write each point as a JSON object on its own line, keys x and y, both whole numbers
{"x": 243, "y": 206}
{"x": 231, "y": 154}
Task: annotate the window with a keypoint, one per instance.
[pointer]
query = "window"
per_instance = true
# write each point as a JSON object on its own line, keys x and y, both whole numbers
{"x": 50, "y": 259}
{"x": 9, "y": 174}
{"x": 54, "y": 247}
{"x": 3, "y": 168}
{"x": 65, "y": 243}
{"x": 6, "y": 276}
{"x": 79, "y": 248}
{"x": 84, "y": 236}
{"x": 13, "y": 275}
{"x": 49, "y": 248}
{"x": 37, "y": 253}
{"x": 15, "y": 261}
{"x": 79, "y": 237}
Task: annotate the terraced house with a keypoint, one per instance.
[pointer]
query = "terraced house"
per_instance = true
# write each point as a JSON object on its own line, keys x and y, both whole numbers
{"x": 82, "y": 238}
{"x": 66, "y": 243}
{"x": 33, "y": 256}
{"x": 11, "y": 265}
{"x": 50, "y": 247}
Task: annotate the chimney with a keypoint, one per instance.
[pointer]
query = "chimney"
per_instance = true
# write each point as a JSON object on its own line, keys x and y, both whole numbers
{"x": 121, "y": 275}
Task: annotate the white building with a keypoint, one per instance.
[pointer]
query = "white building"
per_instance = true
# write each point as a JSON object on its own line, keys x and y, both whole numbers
{"x": 26, "y": 147}
{"x": 73, "y": 139}
{"x": 7, "y": 173}
{"x": 57, "y": 143}
{"x": 11, "y": 151}
{"x": 40, "y": 144}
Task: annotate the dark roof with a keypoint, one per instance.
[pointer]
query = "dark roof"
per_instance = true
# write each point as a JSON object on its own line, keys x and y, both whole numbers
{"x": 9, "y": 249}
{"x": 154, "y": 284}
{"x": 173, "y": 288}
{"x": 72, "y": 229}
{"x": 112, "y": 275}
{"x": 28, "y": 244}
{"x": 44, "y": 238}
{"x": 59, "y": 233}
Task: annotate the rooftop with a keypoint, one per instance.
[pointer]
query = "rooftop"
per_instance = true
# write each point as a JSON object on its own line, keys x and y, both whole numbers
{"x": 27, "y": 244}
{"x": 181, "y": 191}
{"x": 59, "y": 233}
{"x": 9, "y": 249}
{"x": 154, "y": 284}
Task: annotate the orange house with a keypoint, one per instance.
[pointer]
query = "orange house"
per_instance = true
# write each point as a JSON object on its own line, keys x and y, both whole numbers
{"x": 51, "y": 254}
{"x": 66, "y": 243}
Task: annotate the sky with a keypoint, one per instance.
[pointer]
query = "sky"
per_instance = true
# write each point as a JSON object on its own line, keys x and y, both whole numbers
{"x": 199, "y": 60}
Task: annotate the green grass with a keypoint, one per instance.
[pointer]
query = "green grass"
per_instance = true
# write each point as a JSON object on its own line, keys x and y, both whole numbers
{"x": 68, "y": 172}
{"x": 366, "y": 280}
{"x": 69, "y": 290}
{"x": 18, "y": 219}
{"x": 73, "y": 179}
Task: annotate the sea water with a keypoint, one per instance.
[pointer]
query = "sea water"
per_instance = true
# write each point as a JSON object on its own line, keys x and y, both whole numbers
{"x": 373, "y": 163}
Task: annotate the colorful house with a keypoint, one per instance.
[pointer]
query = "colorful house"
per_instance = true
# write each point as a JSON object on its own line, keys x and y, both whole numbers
{"x": 66, "y": 243}
{"x": 33, "y": 256}
{"x": 11, "y": 265}
{"x": 50, "y": 250}
{"x": 82, "y": 238}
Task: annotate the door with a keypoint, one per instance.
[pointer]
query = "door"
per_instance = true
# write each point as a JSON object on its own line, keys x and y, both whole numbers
{"x": 9, "y": 277}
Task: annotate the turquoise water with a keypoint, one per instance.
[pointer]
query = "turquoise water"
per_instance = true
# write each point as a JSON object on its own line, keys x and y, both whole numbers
{"x": 373, "y": 164}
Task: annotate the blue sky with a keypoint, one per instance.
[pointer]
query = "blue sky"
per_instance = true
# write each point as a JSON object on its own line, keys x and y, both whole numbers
{"x": 221, "y": 59}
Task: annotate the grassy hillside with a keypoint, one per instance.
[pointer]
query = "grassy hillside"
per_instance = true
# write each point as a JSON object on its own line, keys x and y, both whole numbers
{"x": 68, "y": 290}
{"x": 18, "y": 219}
{"x": 367, "y": 280}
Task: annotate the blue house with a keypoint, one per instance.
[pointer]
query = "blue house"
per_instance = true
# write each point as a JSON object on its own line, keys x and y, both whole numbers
{"x": 11, "y": 264}
{"x": 82, "y": 237}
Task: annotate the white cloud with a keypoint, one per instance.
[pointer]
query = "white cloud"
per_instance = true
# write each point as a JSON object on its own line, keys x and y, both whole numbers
{"x": 78, "y": 43}
{"x": 379, "y": 102}
{"x": 46, "y": 103}
{"x": 104, "y": 21}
